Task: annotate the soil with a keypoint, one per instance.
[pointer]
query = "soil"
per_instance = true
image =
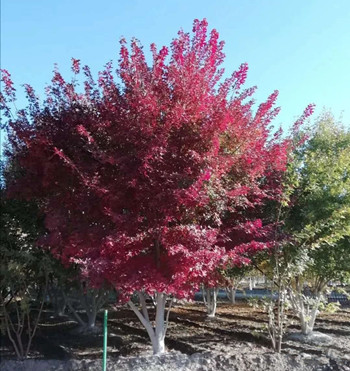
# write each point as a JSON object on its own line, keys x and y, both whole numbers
{"x": 194, "y": 343}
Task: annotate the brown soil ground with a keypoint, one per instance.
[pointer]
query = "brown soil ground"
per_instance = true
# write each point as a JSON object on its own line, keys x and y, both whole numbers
{"x": 189, "y": 332}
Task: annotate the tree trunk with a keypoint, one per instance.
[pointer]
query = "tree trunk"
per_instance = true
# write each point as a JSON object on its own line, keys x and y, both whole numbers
{"x": 23, "y": 319}
{"x": 91, "y": 318}
{"x": 308, "y": 317}
{"x": 251, "y": 283}
{"x": 210, "y": 300}
{"x": 156, "y": 333}
{"x": 61, "y": 308}
{"x": 314, "y": 313}
{"x": 92, "y": 300}
{"x": 231, "y": 294}
{"x": 58, "y": 302}
{"x": 306, "y": 312}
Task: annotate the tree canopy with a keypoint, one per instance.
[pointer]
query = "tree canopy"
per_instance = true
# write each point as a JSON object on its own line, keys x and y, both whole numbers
{"x": 154, "y": 176}
{"x": 319, "y": 218}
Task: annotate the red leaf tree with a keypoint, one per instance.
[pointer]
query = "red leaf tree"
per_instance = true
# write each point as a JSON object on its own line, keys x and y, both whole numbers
{"x": 153, "y": 176}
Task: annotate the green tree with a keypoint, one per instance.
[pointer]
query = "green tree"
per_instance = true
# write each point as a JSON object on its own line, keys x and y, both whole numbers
{"x": 24, "y": 270}
{"x": 318, "y": 217}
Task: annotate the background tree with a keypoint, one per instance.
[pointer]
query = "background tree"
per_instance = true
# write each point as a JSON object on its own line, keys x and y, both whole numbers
{"x": 71, "y": 292}
{"x": 233, "y": 276}
{"x": 319, "y": 217}
{"x": 24, "y": 270}
{"x": 79, "y": 294}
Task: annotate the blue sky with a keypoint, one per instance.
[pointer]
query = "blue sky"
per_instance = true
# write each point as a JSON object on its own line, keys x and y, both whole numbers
{"x": 300, "y": 47}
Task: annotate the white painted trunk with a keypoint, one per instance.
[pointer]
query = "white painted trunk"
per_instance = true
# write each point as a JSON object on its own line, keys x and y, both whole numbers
{"x": 307, "y": 320}
{"x": 231, "y": 294}
{"x": 156, "y": 333}
{"x": 60, "y": 311}
{"x": 210, "y": 300}
{"x": 92, "y": 301}
{"x": 306, "y": 313}
{"x": 91, "y": 318}
{"x": 58, "y": 301}
{"x": 251, "y": 283}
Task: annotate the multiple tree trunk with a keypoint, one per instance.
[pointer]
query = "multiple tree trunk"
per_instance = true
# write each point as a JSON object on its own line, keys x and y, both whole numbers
{"x": 210, "y": 295}
{"x": 57, "y": 300}
{"x": 22, "y": 325}
{"x": 156, "y": 329}
{"x": 305, "y": 305}
{"x": 91, "y": 300}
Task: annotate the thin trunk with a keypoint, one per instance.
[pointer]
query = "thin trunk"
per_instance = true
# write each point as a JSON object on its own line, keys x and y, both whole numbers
{"x": 91, "y": 318}
{"x": 20, "y": 326}
{"x": 304, "y": 322}
{"x": 210, "y": 300}
{"x": 61, "y": 308}
{"x": 214, "y": 302}
{"x": 278, "y": 324}
{"x": 280, "y": 316}
{"x": 32, "y": 332}
{"x": 9, "y": 326}
{"x": 74, "y": 312}
{"x": 231, "y": 294}
{"x": 61, "y": 304}
{"x": 102, "y": 298}
{"x": 204, "y": 295}
{"x": 23, "y": 317}
{"x": 58, "y": 301}
{"x": 314, "y": 313}
{"x": 92, "y": 310}
{"x": 276, "y": 308}
{"x": 92, "y": 301}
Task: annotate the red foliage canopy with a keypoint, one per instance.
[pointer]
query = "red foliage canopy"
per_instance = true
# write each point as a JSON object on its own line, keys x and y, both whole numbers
{"x": 153, "y": 176}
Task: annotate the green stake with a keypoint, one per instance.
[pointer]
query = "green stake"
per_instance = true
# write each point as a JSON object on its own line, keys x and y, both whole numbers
{"x": 104, "y": 365}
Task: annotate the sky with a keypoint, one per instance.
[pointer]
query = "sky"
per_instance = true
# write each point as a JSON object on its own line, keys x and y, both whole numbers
{"x": 299, "y": 47}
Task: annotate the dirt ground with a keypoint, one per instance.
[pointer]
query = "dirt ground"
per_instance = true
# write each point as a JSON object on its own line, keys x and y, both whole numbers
{"x": 236, "y": 327}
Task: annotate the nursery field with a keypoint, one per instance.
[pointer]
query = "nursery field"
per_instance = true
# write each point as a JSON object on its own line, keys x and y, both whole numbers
{"x": 237, "y": 328}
